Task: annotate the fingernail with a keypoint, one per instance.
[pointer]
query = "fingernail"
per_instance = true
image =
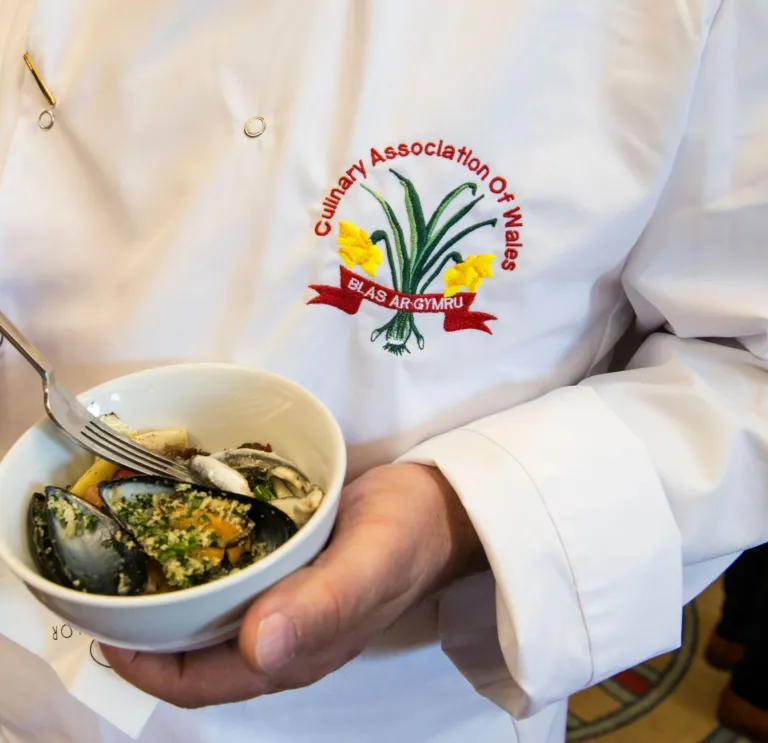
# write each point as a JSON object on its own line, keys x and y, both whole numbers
{"x": 275, "y": 643}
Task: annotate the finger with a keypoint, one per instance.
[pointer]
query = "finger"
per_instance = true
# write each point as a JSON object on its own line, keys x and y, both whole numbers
{"x": 319, "y": 618}
{"x": 214, "y": 675}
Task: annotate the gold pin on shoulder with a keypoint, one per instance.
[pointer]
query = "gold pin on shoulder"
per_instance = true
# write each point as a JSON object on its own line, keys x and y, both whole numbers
{"x": 40, "y": 82}
{"x": 46, "y": 118}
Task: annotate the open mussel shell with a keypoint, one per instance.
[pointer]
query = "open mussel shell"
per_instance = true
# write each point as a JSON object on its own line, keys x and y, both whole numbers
{"x": 271, "y": 527}
{"x": 300, "y": 509}
{"x": 257, "y": 464}
{"x": 91, "y": 551}
{"x": 41, "y": 546}
{"x": 127, "y": 489}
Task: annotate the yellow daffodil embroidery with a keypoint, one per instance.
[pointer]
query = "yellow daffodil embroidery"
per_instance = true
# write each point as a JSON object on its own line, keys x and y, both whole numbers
{"x": 469, "y": 273}
{"x": 356, "y": 248}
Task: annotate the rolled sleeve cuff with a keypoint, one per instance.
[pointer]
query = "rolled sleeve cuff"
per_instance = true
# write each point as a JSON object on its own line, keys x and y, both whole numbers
{"x": 582, "y": 544}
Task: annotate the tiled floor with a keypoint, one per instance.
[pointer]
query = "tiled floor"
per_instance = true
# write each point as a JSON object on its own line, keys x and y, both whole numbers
{"x": 671, "y": 699}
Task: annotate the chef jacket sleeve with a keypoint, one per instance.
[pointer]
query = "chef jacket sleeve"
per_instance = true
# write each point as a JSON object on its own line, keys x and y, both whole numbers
{"x": 605, "y": 506}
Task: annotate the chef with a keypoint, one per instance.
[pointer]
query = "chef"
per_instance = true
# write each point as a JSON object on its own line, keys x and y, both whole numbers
{"x": 440, "y": 217}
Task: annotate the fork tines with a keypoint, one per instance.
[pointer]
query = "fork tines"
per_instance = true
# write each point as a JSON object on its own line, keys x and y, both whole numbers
{"x": 110, "y": 442}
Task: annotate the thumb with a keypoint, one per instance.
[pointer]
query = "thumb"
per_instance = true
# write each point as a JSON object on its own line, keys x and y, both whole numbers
{"x": 322, "y": 616}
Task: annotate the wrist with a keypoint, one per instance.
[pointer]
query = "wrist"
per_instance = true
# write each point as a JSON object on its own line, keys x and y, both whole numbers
{"x": 455, "y": 547}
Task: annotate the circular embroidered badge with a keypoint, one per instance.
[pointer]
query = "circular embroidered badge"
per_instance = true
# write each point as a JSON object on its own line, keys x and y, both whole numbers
{"x": 425, "y": 251}
{"x": 623, "y": 699}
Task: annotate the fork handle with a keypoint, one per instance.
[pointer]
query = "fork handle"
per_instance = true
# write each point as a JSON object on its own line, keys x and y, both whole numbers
{"x": 25, "y": 348}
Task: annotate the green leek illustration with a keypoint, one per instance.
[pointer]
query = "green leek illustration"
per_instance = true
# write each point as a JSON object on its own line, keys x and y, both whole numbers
{"x": 417, "y": 262}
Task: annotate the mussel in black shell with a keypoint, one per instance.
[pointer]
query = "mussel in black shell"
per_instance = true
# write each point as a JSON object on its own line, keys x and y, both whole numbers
{"x": 196, "y": 533}
{"x": 43, "y": 554}
{"x": 263, "y": 465}
{"x": 78, "y": 546}
{"x": 264, "y": 475}
{"x": 150, "y": 526}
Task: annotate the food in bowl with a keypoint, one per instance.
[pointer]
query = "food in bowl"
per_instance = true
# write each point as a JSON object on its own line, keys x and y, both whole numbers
{"x": 117, "y": 533}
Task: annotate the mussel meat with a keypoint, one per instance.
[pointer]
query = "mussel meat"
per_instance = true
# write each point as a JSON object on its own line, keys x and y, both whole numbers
{"x": 218, "y": 475}
{"x": 299, "y": 510}
{"x": 264, "y": 475}
{"x": 262, "y": 465}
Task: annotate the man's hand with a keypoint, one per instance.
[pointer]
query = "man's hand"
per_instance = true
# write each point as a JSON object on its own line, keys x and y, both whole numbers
{"x": 401, "y": 534}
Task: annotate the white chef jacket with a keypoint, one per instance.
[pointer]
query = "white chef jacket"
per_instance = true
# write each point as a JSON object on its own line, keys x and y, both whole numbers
{"x": 619, "y": 152}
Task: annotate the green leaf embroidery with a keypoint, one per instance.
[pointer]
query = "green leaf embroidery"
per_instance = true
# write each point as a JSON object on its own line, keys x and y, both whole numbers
{"x": 397, "y": 230}
{"x": 455, "y": 257}
{"x": 381, "y": 236}
{"x": 415, "y": 219}
{"x": 446, "y": 202}
{"x": 456, "y": 239}
{"x": 434, "y": 241}
{"x": 424, "y": 256}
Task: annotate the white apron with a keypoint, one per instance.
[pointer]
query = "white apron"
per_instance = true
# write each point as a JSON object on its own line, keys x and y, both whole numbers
{"x": 146, "y": 228}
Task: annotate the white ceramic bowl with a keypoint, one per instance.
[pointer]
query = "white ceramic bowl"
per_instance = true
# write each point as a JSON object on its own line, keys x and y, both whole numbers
{"x": 221, "y": 406}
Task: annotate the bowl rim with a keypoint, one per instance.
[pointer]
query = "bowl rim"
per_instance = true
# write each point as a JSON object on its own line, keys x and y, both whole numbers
{"x": 333, "y": 492}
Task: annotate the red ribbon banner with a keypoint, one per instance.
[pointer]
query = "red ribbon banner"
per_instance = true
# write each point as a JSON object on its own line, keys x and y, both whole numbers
{"x": 354, "y": 289}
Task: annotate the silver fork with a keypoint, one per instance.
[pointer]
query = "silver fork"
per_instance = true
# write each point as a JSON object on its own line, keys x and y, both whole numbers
{"x": 72, "y": 417}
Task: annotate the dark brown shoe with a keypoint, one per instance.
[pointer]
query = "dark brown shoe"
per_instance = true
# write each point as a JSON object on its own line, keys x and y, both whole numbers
{"x": 723, "y": 654}
{"x": 739, "y": 716}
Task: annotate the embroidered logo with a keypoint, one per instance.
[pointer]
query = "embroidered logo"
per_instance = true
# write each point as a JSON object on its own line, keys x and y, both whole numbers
{"x": 429, "y": 258}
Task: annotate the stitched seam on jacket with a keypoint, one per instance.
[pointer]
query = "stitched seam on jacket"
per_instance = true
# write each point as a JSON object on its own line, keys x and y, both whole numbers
{"x": 559, "y": 539}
